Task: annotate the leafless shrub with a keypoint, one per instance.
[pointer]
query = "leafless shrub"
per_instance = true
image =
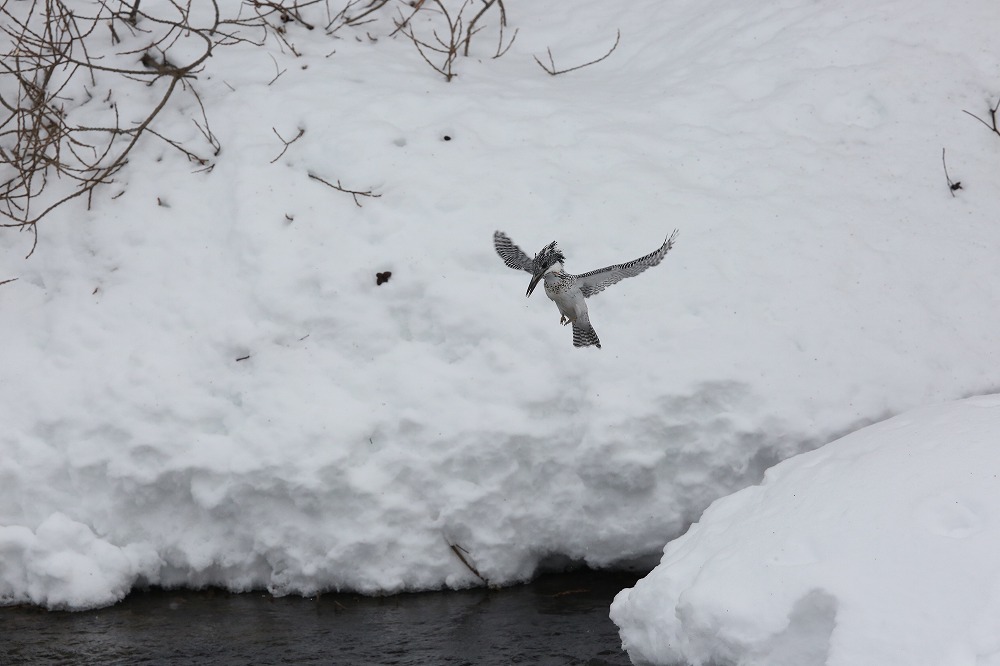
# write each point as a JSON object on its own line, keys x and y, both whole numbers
{"x": 442, "y": 47}
{"x": 272, "y": 18}
{"x": 447, "y": 45}
{"x": 471, "y": 29}
{"x": 68, "y": 122}
{"x": 58, "y": 140}
{"x": 442, "y": 31}
{"x": 551, "y": 67}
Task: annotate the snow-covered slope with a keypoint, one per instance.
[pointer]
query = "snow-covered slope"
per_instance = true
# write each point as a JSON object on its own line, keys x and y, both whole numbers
{"x": 879, "y": 548}
{"x": 824, "y": 277}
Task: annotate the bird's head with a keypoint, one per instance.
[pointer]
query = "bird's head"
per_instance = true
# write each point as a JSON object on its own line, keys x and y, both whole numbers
{"x": 550, "y": 258}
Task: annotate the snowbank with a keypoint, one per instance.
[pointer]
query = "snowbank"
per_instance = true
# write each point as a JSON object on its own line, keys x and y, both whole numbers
{"x": 203, "y": 384}
{"x": 879, "y": 548}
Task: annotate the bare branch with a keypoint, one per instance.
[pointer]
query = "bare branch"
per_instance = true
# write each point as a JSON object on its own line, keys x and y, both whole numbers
{"x": 405, "y": 22}
{"x": 952, "y": 185}
{"x": 454, "y": 37}
{"x": 49, "y": 47}
{"x": 287, "y": 143}
{"x": 472, "y": 24}
{"x": 204, "y": 128}
{"x": 992, "y": 125}
{"x": 443, "y": 69}
{"x": 458, "y": 550}
{"x": 285, "y": 12}
{"x": 192, "y": 157}
{"x": 341, "y": 188}
{"x": 501, "y": 49}
{"x": 276, "y": 69}
{"x": 374, "y": 7}
{"x": 551, "y": 68}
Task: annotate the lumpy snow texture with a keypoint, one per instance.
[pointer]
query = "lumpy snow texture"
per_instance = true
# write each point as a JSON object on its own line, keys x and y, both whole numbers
{"x": 202, "y": 383}
{"x": 879, "y": 548}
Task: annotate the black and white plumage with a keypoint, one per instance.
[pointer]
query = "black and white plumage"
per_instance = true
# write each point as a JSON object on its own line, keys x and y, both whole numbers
{"x": 567, "y": 290}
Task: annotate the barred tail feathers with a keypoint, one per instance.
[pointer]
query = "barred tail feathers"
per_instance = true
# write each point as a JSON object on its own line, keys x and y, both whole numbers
{"x": 584, "y": 334}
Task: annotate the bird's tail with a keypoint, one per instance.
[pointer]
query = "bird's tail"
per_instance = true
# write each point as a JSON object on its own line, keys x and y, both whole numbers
{"x": 584, "y": 334}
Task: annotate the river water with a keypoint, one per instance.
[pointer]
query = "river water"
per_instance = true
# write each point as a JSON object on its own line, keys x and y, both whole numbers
{"x": 558, "y": 619}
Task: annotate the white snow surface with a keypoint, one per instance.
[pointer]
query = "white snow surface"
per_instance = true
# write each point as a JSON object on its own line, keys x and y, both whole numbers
{"x": 824, "y": 277}
{"x": 879, "y": 548}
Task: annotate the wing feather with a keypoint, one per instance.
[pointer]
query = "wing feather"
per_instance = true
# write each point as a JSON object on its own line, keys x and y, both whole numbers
{"x": 511, "y": 254}
{"x": 597, "y": 281}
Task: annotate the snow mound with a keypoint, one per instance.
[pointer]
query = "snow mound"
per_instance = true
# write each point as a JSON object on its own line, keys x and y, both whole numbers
{"x": 879, "y": 548}
{"x": 63, "y": 564}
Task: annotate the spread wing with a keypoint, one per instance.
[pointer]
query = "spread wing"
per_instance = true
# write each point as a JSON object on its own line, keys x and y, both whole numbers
{"x": 597, "y": 281}
{"x": 511, "y": 254}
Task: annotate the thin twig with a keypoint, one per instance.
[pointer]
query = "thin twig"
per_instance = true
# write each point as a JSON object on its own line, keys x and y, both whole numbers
{"x": 458, "y": 550}
{"x": 287, "y": 143}
{"x": 501, "y": 49}
{"x": 374, "y": 7}
{"x": 204, "y": 128}
{"x": 952, "y": 186}
{"x": 551, "y": 69}
{"x": 276, "y": 69}
{"x": 993, "y": 117}
{"x": 406, "y": 21}
{"x": 192, "y": 157}
{"x": 469, "y": 31}
{"x": 286, "y": 13}
{"x": 341, "y": 188}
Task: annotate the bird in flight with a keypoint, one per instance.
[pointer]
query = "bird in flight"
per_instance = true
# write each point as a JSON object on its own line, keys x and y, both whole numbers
{"x": 567, "y": 290}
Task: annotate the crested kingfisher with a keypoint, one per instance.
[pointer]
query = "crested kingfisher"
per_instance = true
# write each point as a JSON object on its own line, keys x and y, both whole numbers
{"x": 569, "y": 291}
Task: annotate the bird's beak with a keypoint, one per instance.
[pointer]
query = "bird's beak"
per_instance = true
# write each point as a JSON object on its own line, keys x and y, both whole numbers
{"x": 534, "y": 283}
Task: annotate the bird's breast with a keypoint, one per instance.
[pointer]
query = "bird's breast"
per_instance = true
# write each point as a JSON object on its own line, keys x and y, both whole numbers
{"x": 555, "y": 287}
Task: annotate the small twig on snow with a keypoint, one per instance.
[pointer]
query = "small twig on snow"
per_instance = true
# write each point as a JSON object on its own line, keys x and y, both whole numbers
{"x": 192, "y": 157}
{"x": 372, "y": 8}
{"x": 276, "y": 69}
{"x": 501, "y": 49}
{"x": 286, "y": 13}
{"x": 952, "y": 185}
{"x": 551, "y": 69}
{"x": 6, "y": 281}
{"x": 341, "y": 188}
{"x": 298, "y": 136}
{"x": 205, "y": 130}
{"x": 399, "y": 26}
{"x": 458, "y": 550}
{"x": 993, "y": 118}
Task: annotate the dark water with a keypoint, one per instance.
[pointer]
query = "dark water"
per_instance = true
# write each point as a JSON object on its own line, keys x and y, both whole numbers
{"x": 558, "y": 619}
